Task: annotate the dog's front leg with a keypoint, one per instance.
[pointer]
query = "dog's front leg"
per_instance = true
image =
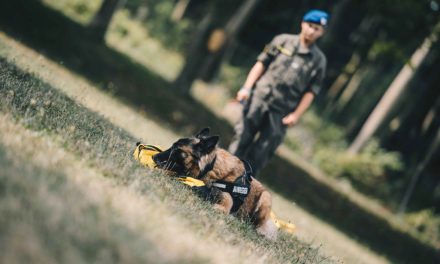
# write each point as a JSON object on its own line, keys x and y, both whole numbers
{"x": 225, "y": 203}
{"x": 208, "y": 180}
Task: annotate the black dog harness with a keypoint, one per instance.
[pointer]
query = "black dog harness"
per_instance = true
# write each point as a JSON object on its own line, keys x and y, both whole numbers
{"x": 239, "y": 189}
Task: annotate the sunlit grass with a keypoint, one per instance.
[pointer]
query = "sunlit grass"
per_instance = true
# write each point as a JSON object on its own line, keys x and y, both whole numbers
{"x": 107, "y": 148}
{"x": 126, "y": 35}
{"x": 78, "y": 10}
{"x": 46, "y": 218}
{"x": 131, "y": 37}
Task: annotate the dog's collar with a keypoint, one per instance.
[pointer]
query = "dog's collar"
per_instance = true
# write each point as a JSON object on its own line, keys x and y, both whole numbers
{"x": 207, "y": 168}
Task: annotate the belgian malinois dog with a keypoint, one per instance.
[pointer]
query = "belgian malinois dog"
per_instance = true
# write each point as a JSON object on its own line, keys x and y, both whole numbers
{"x": 200, "y": 157}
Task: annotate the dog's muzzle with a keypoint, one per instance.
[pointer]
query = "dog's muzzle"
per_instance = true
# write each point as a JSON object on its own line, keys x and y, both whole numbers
{"x": 159, "y": 160}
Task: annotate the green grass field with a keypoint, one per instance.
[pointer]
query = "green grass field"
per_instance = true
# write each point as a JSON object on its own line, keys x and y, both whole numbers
{"x": 71, "y": 186}
{"x": 67, "y": 70}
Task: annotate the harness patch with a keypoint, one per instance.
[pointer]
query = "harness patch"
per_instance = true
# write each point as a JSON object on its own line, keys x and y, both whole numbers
{"x": 240, "y": 190}
{"x": 219, "y": 185}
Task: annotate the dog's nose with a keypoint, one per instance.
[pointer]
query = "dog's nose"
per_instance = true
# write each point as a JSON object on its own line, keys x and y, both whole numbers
{"x": 155, "y": 159}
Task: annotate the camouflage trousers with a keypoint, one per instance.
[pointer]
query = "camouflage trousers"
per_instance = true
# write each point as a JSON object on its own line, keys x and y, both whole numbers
{"x": 257, "y": 134}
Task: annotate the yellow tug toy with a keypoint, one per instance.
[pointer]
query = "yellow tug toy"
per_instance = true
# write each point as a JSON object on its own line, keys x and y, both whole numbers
{"x": 144, "y": 154}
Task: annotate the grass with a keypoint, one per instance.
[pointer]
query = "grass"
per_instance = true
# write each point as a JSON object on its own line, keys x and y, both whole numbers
{"x": 130, "y": 37}
{"x": 70, "y": 44}
{"x": 79, "y": 10}
{"x": 45, "y": 218}
{"x": 129, "y": 81}
{"x": 100, "y": 145}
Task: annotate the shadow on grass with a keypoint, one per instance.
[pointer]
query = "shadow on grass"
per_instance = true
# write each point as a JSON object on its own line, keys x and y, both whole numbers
{"x": 30, "y": 197}
{"x": 73, "y": 45}
{"x": 330, "y": 205}
{"x": 108, "y": 148}
{"x": 69, "y": 43}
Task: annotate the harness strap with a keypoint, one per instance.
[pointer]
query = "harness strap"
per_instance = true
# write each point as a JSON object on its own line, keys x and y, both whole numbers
{"x": 232, "y": 188}
{"x": 247, "y": 170}
{"x": 238, "y": 192}
{"x": 239, "y": 189}
{"x": 207, "y": 168}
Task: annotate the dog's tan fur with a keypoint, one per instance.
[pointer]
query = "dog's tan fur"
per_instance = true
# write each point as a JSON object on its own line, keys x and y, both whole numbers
{"x": 227, "y": 167}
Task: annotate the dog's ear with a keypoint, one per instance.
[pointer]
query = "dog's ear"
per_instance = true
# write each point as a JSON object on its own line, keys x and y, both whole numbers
{"x": 208, "y": 144}
{"x": 203, "y": 133}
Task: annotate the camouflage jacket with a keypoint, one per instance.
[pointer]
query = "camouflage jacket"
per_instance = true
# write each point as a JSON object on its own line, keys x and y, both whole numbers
{"x": 291, "y": 71}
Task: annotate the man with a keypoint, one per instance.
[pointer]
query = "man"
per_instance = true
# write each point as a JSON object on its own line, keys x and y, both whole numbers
{"x": 278, "y": 90}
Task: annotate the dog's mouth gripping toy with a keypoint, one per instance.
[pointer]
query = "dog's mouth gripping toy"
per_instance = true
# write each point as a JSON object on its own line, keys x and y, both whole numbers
{"x": 144, "y": 153}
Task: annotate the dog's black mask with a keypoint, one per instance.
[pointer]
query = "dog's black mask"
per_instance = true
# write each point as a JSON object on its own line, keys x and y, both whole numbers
{"x": 186, "y": 152}
{"x": 172, "y": 159}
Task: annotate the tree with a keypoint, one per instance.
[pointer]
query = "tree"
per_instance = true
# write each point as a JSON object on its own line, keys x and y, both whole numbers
{"x": 101, "y": 20}
{"x": 350, "y": 77}
{"x": 398, "y": 86}
{"x": 195, "y": 54}
{"x": 226, "y": 38}
{"x": 416, "y": 171}
{"x": 179, "y": 10}
{"x": 210, "y": 42}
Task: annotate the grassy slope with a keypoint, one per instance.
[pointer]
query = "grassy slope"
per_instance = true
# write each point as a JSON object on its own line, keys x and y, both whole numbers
{"x": 54, "y": 209}
{"x": 98, "y": 144}
{"x": 310, "y": 229}
{"x": 103, "y": 65}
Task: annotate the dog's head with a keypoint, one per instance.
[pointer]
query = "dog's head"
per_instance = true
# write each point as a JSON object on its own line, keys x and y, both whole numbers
{"x": 188, "y": 155}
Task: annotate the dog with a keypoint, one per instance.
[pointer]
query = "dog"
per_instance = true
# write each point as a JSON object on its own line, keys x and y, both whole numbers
{"x": 238, "y": 192}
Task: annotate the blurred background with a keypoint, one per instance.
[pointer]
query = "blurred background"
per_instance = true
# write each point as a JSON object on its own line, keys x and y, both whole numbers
{"x": 374, "y": 130}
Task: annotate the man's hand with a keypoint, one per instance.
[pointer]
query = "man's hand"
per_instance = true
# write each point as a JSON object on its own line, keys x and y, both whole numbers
{"x": 290, "y": 119}
{"x": 293, "y": 118}
{"x": 243, "y": 94}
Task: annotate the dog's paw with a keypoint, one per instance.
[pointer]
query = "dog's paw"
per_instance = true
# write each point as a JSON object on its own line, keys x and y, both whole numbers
{"x": 268, "y": 229}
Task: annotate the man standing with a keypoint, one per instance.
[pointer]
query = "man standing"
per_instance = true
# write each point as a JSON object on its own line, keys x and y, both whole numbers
{"x": 278, "y": 90}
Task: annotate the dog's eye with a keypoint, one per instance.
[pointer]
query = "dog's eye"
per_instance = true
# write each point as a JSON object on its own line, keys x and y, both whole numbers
{"x": 183, "y": 154}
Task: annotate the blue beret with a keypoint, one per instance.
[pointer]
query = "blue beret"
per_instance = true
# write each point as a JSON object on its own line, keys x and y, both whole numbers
{"x": 317, "y": 17}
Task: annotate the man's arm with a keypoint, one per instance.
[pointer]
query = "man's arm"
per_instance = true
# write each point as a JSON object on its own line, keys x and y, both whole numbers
{"x": 254, "y": 74}
{"x": 293, "y": 118}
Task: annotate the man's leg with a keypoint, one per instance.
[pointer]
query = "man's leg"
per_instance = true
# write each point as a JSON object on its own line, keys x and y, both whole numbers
{"x": 271, "y": 136}
{"x": 247, "y": 128}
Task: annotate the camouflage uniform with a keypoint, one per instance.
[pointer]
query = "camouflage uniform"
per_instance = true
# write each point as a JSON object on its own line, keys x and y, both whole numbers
{"x": 291, "y": 71}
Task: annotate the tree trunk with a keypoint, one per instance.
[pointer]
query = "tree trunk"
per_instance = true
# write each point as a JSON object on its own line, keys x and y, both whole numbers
{"x": 363, "y": 41}
{"x": 416, "y": 171}
{"x": 232, "y": 29}
{"x": 208, "y": 47}
{"x": 195, "y": 55}
{"x": 340, "y": 8}
{"x": 384, "y": 106}
{"x": 344, "y": 77}
{"x": 179, "y": 10}
{"x": 351, "y": 89}
{"x": 101, "y": 21}
{"x": 337, "y": 89}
